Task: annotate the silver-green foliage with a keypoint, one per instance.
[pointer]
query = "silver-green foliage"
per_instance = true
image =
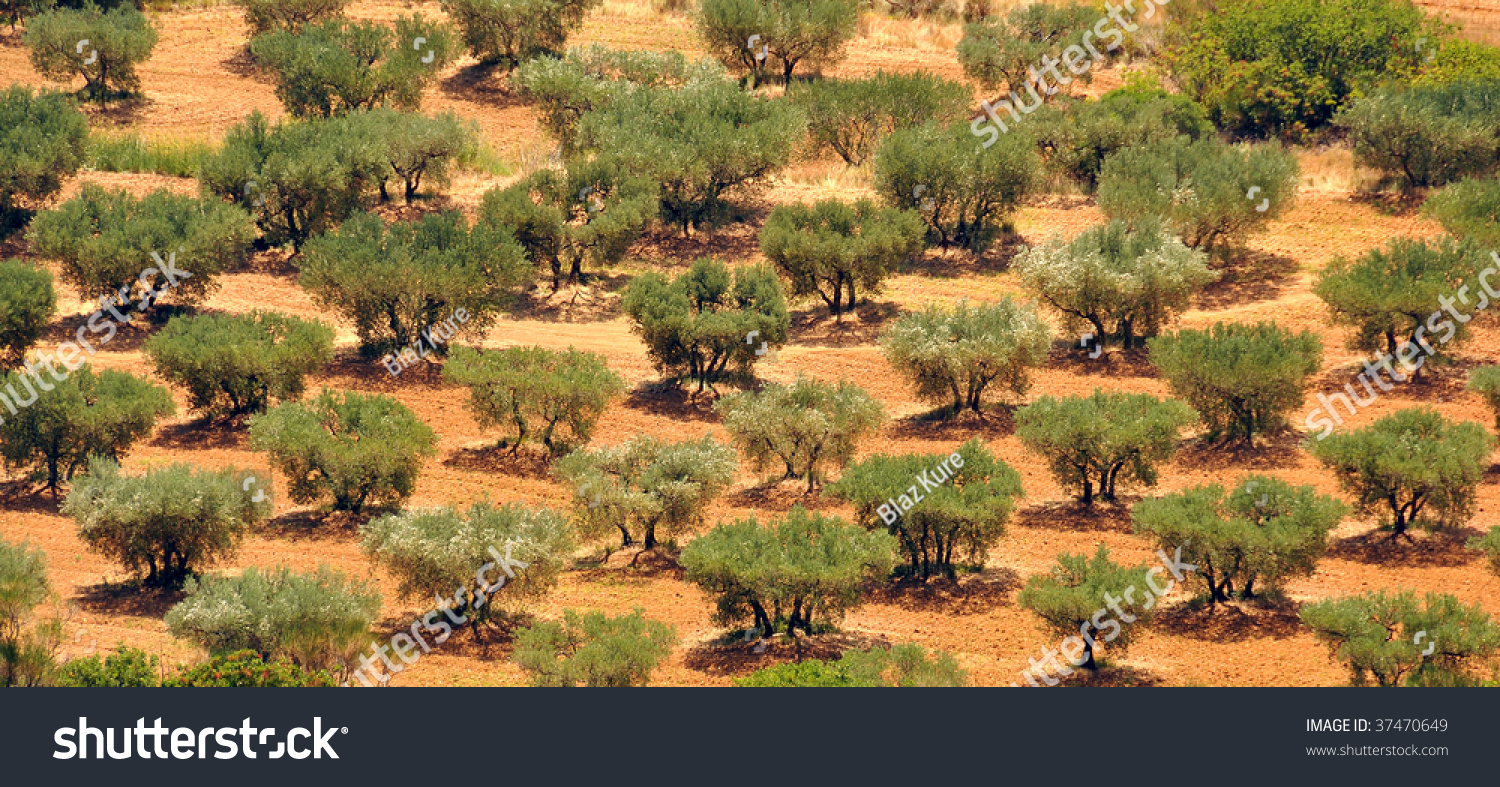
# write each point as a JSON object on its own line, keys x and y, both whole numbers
{"x": 593, "y": 649}
{"x": 807, "y": 427}
{"x": 956, "y": 355}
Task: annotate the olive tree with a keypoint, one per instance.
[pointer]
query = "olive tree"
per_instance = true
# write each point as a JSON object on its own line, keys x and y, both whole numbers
{"x": 783, "y": 575}
{"x": 831, "y": 247}
{"x": 507, "y": 33}
{"x": 338, "y": 66}
{"x": 1068, "y": 597}
{"x": 644, "y": 485}
{"x": 42, "y": 142}
{"x": 487, "y": 559}
{"x": 167, "y": 524}
{"x": 27, "y": 303}
{"x": 360, "y": 449}
{"x": 556, "y": 396}
{"x": 1357, "y": 630}
{"x": 393, "y": 282}
{"x": 963, "y": 502}
{"x": 1242, "y": 379}
{"x": 236, "y": 364}
{"x": 851, "y": 117}
{"x": 708, "y": 320}
{"x": 1485, "y": 381}
{"x": 807, "y": 427}
{"x": 101, "y": 46}
{"x": 28, "y": 645}
{"x": 1210, "y": 194}
{"x": 750, "y": 36}
{"x": 1388, "y": 294}
{"x": 78, "y": 415}
{"x": 964, "y": 190}
{"x": 421, "y": 147}
{"x": 1263, "y": 533}
{"x": 1075, "y": 137}
{"x": 1413, "y": 467}
{"x": 1004, "y": 51}
{"x": 1095, "y": 443}
{"x": 263, "y": 16}
{"x": 594, "y": 649}
{"x": 317, "y": 620}
{"x": 161, "y": 247}
{"x": 1469, "y": 209}
{"x": 1124, "y": 283}
{"x": 955, "y": 355}
{"x": 1421, "y": 136}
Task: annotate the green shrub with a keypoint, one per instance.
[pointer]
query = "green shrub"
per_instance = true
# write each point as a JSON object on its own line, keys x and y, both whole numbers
{"x": 119, "y": 39}
{"x": 167, "y": 524}
{"x": 700, "y": 142}
{"x": 27, "y": 303}
{"x": 557, "y": 396}
{"x": 42, "y": 142}
{"x": 396, "y": 282}
{"x": 1469, "y": 210}
{"x": 707, "y": 322}
{"x": 1068, "y": 598}
{"x": 852, "y": 116}
{"x": 445, "y": 553}
{"x": 1076, "y": 137}
{"x": 178, "y": 158}
{"x": 234, "y": 364}
{"x": 788, "y": 572}
{"x": 1285, "y": 68}
{"x": 1459, "y": 60}
{"x": 263, "y": 16}
{"x": 808, "y": 427}
{"x": 317, "y": 621}
{"x": 591, "y": 212}
{"x": 1358, "y": 631}
{"x": 1262, "y": 534}
{"x": 27, "y": 645}
{"x": 1004, "y": 51}
{"x": 1427, "y": 135}
{"x": 1388, "y": 294}
{"x": 337, "y": 66}
{"x": 1125, "y": 283}
{"x": 1211, "y": 194}
{"x": 54, "y": 432}
{"x": 1413, "y": 465}
{"x": 965, "y": 191}
{"x": 1242, "y": 379}
{"x": 957, "y": 354}
{"x": 362, "y": 450}
{"x": 787, "y": 33}
{"x": 644, "y": 485}
{"x": 906, "y": 664}
{"x": 1101, "y": 441}
{"x": 125, "y": 668}
{"x": 593, "y": 649}
{"x": 952, "y": 509}
{"x": 1485, "y": 381}
{"x": 108, "y": 241}
{"x": 245, "y": 668}
{"x": 418, "y": 147}
{"x": 507, "y": 33}
{"x": 1489, "y": 544}
{"x": 830, "y": 247}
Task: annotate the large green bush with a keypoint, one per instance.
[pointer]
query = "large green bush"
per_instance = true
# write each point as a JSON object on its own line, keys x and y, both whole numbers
{"x": 396, "y": 282}
{"x": 78, "y": 415}
{"x": 786, "y": 574}
{"x": 556, "y": 396}
{"x": 594, "y": 649}
{"x": 421, "y": 147}
{"x": 946, "y": 512}
{"x": 27, "y": 644}
{"x": 1068, "y": 600}
{"x": 1427, "y": 135}
{"x": 318, "y": 620}
{"x": 337, "y": 66}
{"x": 1469, "y": 210}
{"x": 27, "y": 303}
{"x": 169, "y": 523}
{"x": 1242, "y": 379}
{"x": 807, "y": 428}
{"x": 644, "y": 485}
{"x": 42, "y": 142}
{"x": 163, "y": 246}
{"x": 101, "y": 46}
{"x": 235, "y": 364}
{"x": 955, "y": 355}
{"x": 360, "y": 449}
{"x": 964, "y": 190}
{"x": 753, "y": 36}
{"x": 1076, "y": 137}
{"x": 1358, "y": 632}
{"x": 1004, "y": 51}
{"x": 1124, "y": 283}
{"x": 852, "y": 116}
{"x": 1101, "y": 441}
{"x": 507, "y": 33}
{"x": 263, "y": 16}
{"x": 125, "y": 668}
{"x": 906, "y": 664}
{"x": 246, "y": 669}
{"x": 709, "y": 322}
{"x": 831, "y": 247}
{"x": 1485, "y": 381}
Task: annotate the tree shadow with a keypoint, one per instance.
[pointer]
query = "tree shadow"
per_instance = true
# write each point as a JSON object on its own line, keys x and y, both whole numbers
{"x": 1231, "y": 622}
{"x": 998, "y": 421}
{"x": 1413, "y": 549}
{"x": 1069, "y": 356}
{"x": 1391, "y": 203}
{"x": 525, "y": 463}
{"x": 815, "y": 327}
{"x": 128, "y": 598}
{"x": 597, "y": 299}
{"x": 351, "y": 370}
{"x": 128, "y": 336}
{"x": 1280, "y": 449}
{"x": 778, "y": 495}
{"x": 1074, "y": 516}
{"x": 733, "y": 656}
{"x": 956, "y": 262}
{"x": 203, "y": 433}
{"x": 242, "y": 64}
{"x": 28, "y": 497}
{"x": 318, "y": 525}
{"x": 634, "y": 565}
{"x": 667, "y": 398}
{"x": 479, "y": 83}
{"x": 1252, "y": 276}
{"x": 1109, "y": 676}
{"x": 736, "y": 240}
{"x": 123, "y": 111}
{"x": 970, "y": 594}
